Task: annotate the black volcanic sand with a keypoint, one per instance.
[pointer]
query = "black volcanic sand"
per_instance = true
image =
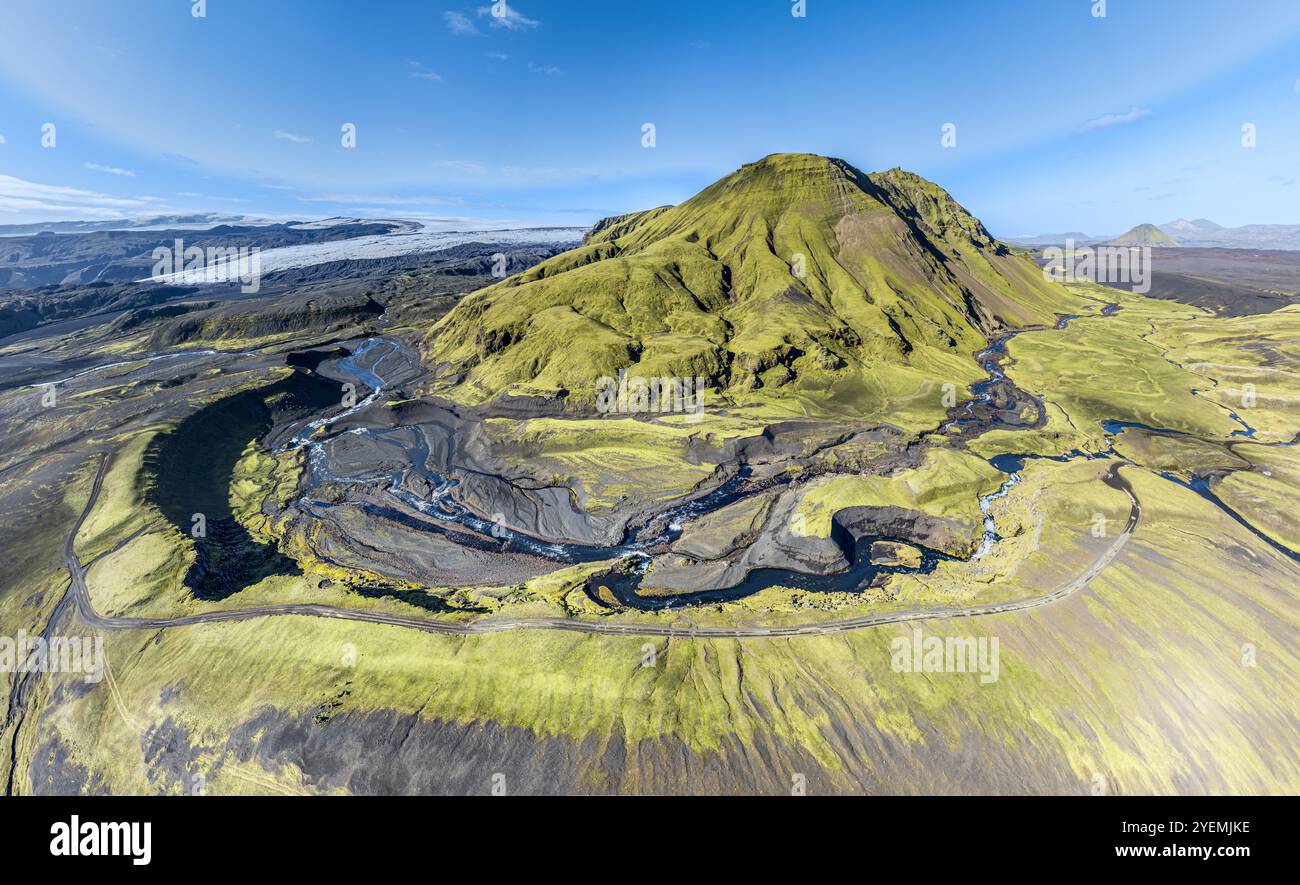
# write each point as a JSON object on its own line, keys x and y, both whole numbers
{"x": 386, "y": 753}
{"x": 1229, "y": 282}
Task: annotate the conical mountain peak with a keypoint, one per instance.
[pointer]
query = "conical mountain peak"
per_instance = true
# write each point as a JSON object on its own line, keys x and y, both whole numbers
{"x": 797, "y": 273}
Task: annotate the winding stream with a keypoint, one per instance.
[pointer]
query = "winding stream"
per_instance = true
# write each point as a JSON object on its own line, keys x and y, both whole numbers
{"x": 996, "y": 402}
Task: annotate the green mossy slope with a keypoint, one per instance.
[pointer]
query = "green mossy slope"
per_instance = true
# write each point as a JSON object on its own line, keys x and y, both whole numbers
{"x": 797, "y": 273}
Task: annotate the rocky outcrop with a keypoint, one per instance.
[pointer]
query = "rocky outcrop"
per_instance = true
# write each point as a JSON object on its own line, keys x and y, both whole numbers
{"x": 725, "y": 531}
{"x": 952, "y": 536}
{"x": 548, "y": 513}
{"x": 895, "y": 553}
{"x": 689, "y": 568}
{"x": 775, "y": 546}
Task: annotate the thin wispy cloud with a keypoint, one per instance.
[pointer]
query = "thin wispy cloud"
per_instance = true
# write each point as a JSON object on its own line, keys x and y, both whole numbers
{"x": 516, "y": 174}
{"x": 459, "y": 24}
{"x": 2, "y": 138}
{"x": 290, "y": 136}
{"x": 18, "y": 195}
{"x": 420, "y": 72}
{"x": 503, "y": 15}
{"x": 382, "y": 199}
{"x": 197, "y": 196}
{"x": 1105, "y": 121}
{"x": 111, "y": 170}
{"x": 545, "y": 70}
{"x": 471, "y": 167}
{"x": 548, "y": 174}
{"x": 499, "y": 56}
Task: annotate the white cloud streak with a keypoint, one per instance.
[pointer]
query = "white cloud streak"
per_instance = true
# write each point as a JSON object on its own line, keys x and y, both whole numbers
{"x": 111, "y": 170}
{"x": 1105, "y": 121}
{"x": 420, "y": 72}
{"x": 459, "y": 24}
{"x": 18, "y": 195}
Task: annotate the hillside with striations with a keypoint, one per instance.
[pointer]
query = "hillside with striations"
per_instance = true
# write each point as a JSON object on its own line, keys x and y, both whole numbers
{"x": 797, "y": 273}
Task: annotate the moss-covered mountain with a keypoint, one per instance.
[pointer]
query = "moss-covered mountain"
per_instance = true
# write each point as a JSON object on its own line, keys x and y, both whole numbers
{"x": 797, "y": 273}
{"x": 1145, "y": 235}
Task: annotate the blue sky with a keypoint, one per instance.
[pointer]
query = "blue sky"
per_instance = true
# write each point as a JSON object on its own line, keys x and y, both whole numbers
{"x": 1065, "y": 121}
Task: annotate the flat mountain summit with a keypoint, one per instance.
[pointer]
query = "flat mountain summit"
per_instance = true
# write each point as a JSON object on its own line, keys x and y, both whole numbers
{"x": 797, "y": 273}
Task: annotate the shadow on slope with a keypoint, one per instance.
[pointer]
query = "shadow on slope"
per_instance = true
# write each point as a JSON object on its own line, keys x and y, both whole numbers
{"x": 190, "y": 471}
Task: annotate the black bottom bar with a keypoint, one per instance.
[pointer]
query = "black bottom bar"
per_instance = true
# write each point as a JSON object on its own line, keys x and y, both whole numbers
{"x": 325, "y": 835}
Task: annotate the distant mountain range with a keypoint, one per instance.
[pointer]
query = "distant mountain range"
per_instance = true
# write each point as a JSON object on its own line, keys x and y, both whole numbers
{"x": 189, "y": 220}
{"x": 1191, "y": 228}
{"x": 1200, "y": 233}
